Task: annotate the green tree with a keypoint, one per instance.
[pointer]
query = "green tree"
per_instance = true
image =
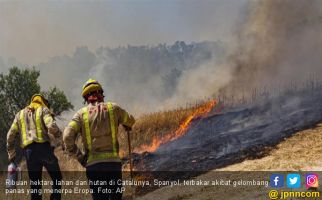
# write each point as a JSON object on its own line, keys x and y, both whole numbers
{"x": 58, "y": 101}
{"x": 16, "y": 89}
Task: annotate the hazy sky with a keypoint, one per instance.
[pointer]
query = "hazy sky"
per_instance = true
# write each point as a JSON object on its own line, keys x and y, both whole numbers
{"x": 33, "y": 31}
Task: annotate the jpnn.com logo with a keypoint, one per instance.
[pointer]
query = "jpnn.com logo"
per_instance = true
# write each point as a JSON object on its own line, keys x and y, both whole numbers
{"x": 277, "y": 180}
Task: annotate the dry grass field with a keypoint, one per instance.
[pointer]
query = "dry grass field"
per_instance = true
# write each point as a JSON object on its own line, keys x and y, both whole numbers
{"x": 300, "y": 153}
{"x": 145, "y": 129}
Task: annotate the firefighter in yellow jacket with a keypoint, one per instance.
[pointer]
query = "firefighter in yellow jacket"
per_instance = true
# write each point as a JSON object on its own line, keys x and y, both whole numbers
{"x": 98, "y": 124}
{"x": 37, "y": 127}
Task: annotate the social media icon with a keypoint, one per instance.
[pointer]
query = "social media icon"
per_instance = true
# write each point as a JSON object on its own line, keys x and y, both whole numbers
{"x": 277, "y": 180}
{"x": 293, "y": 181}
{"x": 312, "y": 181}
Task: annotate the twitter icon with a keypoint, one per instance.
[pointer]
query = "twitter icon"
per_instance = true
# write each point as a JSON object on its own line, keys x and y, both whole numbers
{"x": 293, "y": 181}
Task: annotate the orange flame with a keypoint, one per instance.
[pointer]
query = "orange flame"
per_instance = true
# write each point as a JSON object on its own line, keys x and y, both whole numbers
{"x": 201, "y": 111}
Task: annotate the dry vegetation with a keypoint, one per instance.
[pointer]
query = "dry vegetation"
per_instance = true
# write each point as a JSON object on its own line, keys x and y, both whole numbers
{"x": 154, "y": 125}
{"x": 161, "y": 123}
{"x": 301, "y": 152}
{"x": 145, "y": 129}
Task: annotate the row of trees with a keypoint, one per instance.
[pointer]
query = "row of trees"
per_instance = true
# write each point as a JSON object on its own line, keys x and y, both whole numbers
{"x": 16, "y": 89}
{"x": 131, "y": 75}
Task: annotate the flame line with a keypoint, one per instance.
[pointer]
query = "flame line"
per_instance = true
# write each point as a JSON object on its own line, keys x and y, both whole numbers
{"x": 202, "y": 111}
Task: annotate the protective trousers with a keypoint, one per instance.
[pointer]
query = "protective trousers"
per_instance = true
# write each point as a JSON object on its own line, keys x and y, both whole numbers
{"x": 109, "y": 173}
{"x": 39, "y": 155}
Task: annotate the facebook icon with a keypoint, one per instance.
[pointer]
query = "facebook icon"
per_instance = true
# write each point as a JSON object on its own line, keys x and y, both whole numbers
{"x": 277, "y": 180}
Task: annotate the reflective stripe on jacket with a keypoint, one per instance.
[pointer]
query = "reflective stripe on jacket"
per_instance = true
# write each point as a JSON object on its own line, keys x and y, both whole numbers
{"x": 33, "y": 126}
{"x": 98, "y": 124}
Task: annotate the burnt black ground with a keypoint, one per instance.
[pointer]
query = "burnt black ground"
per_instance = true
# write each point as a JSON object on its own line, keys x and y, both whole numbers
{"x": 230, "y": 137}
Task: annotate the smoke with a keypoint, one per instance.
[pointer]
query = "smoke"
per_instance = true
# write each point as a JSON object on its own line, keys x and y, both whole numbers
{"x": 131, "y": 81}
{"x": 140, "y": 78}
{"x": 200, "y": 83}
{"x": 33, "y": 31}
{"x": 68, "y": 72}
{"x": 280, "y": 43}
{"x": 6, "y": 63}
{"x": 147, "y": 79}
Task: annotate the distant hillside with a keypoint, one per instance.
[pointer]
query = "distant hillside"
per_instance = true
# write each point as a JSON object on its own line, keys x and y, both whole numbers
{"x": 139, "y": 77}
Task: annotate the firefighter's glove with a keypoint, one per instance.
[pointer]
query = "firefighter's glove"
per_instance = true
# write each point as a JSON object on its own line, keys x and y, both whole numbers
{"x": 127, "y": 128}
{"x": 63, "y": 147}
{"x": 82, "y": 158}
{"x": 12, "y": 160}
{"x": 72, "y": 152}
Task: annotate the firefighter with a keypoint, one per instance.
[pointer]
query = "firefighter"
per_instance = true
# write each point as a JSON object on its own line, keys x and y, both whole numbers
{"x": 37, "y": 128}
{"x": 97, "y": 124}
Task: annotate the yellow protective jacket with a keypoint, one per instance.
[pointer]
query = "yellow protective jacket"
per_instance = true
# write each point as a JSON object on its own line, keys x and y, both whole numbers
{"x": 97, "y": 124}
{"x": 35, "y": 124}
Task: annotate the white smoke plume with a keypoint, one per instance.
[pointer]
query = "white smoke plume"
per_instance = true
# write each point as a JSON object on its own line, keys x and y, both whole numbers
{"x": 280, "y": 43}
{"x": 141, "y": 78}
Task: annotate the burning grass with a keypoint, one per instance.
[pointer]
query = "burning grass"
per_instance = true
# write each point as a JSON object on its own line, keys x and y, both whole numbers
{"x": 153, "y": 130}
{"x": 150, "y": 131}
